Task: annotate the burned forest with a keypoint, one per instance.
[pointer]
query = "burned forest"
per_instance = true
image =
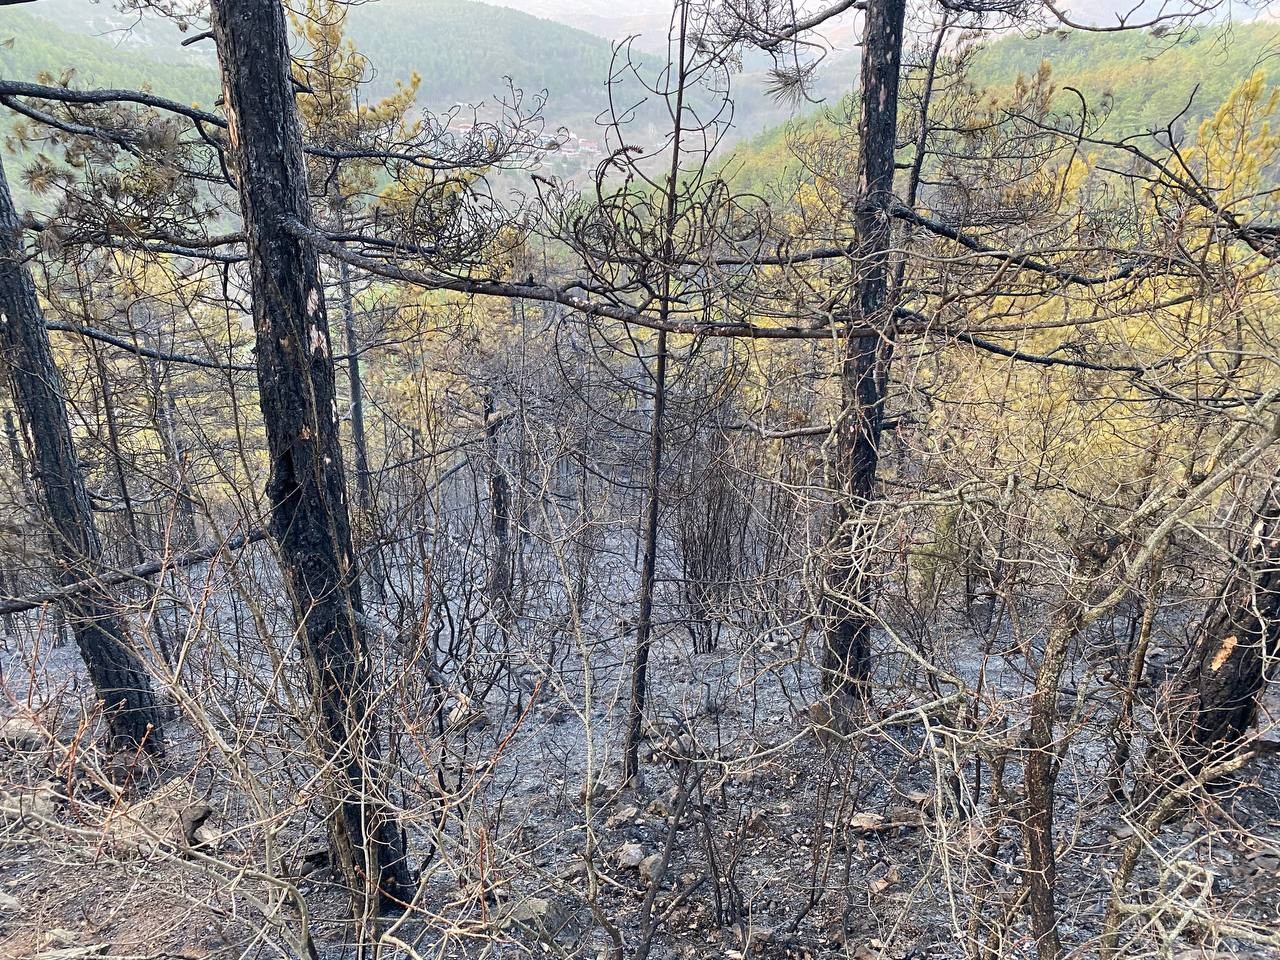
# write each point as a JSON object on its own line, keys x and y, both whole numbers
{"x": 759, "y": 479}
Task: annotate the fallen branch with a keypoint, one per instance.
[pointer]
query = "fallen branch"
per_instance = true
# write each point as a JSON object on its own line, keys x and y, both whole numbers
{"x": 140, "y": 572}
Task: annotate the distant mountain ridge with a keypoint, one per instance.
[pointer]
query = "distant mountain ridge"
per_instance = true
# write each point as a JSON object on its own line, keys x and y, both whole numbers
{"x": 464, "y": 51}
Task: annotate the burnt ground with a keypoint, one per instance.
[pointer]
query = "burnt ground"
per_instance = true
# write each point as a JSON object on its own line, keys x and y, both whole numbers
{"x": 894, "y": 835}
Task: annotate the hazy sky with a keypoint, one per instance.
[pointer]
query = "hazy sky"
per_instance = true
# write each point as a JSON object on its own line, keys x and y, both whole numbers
{"x": 620, "y": 17}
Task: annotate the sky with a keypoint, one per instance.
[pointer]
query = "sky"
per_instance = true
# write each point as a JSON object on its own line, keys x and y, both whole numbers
{"x": 614, "y": 18}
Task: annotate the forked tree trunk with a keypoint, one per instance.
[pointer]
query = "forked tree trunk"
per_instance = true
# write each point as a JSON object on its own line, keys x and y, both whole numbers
{"x": 309, "y": 513}
{"x": 847, "y": 657}
{"x": 115, "y": 668}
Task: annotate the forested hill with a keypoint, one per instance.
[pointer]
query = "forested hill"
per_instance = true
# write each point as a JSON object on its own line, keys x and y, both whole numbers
{"x": 31, "y": 44}
{"x": 463, "y": 50}
{"x": 1132, "y": 81}
{"x": 1141, "y": 81}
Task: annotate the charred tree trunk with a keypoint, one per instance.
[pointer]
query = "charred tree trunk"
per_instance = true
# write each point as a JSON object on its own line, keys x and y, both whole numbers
{"x": 1222, "y": 680}
{"x": 115, "y": 668}
{"x": 657, "y": 436}
{"x": 307, "y": 490}
{"x": 648, "y": 569}
{"x": 502, "y": 571}
{"x": 1042, "y": 763}
{"x": 846, "y": 661}
{"x": 359, "y": 438}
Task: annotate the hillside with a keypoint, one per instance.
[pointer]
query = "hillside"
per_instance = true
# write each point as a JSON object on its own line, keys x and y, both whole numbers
{"x": 464, "y": 51}
{"x": 1142, "y": 81}
{"x": 1133, "y": 83}
{"x": 39, "y": 45}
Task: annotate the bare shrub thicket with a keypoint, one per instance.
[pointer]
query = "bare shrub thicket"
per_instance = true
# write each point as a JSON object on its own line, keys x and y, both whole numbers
{"x": 882, "y": 566}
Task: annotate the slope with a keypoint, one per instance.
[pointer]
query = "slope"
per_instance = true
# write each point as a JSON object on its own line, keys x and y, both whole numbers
{"x": 1138, "y": 80}
{"x": 35, "y": 44}
{"x": 1133, "y": 82}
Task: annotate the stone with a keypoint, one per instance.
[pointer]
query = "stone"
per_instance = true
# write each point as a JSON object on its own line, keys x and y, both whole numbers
{"x": 192, "y": 819}
{"x": 665, "y": 805}
{"x": 465, "y": 713}
{"x": 759, "y": 940}
{"x": 1264, "y": 861}
{"x": 628, "y": 814}
{"x": 630, "y": 856}
{"x": 31, "y": 805}
{"x": 881, "y": 884}
{"x": 574, "y": 870}
{"x": 866, "y": 822}
{"x": 532, "y": 912}
{"x": 22, "y": 734}
{"x": 205, "y": 839}
{"x": 74, "y": 953}
{"x": 907, "y": 817}
{"x": 595, "y": 792}
{"x": 171, "y": 815}
{"x": 1122, "y": 831}
{"x": 757, "y": 823}
{"x": 649, "y": 867}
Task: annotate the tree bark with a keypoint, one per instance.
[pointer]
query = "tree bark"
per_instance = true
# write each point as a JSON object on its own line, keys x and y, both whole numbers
{"x": 1221, "y": 684}
{"x": 502, "y": 571}
{"x": 1041, "y": 767}
{"x": 847, "y": 658}
{"x": 296, "y": 380}
{"x": 116, "y": 670}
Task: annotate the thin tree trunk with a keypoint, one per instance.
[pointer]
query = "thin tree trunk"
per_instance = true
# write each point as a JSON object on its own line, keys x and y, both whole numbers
{"x": 648, "y": 569}
{"x": 1137, "y": 669}
{"x": 115, "y": 668}
{"x": 359, "y": 438}
{"x": 307, "y": 489}
{"x": 117, "y": 458}
{"x": 15, "y": 453}
{"x": 138, "y": 553}
{"x": 166, "y": 424}
{"x": 9, "y": 578}
{"x": 653, "y": 493}
{"x": 1041, "y": 767}
{"x": 847, "y": 657}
